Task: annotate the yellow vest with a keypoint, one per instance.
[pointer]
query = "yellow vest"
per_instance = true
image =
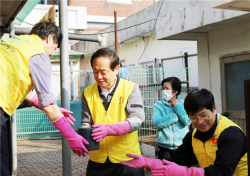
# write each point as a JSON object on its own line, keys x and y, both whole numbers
{"x": 15, "y": 73}
{"x": 206, "y": 154}
{"x": 115, "y": 147}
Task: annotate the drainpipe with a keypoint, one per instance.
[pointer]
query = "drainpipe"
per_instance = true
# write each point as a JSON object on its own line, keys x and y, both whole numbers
{"x": 143, "y": 48}
{"x": 71, "y": 80}
{"x": 187, "y": 75}
{"x": 65, "y": 81}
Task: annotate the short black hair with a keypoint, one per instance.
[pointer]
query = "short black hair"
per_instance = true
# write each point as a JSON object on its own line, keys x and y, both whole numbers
{"x": 46, "y": 28}
{"x": 175, "y": 83}
{"x": 198, "y": 100}
{"x": 109, "y": 53}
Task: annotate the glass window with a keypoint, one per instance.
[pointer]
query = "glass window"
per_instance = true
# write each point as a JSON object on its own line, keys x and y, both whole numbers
{"x": 235, "y": 74}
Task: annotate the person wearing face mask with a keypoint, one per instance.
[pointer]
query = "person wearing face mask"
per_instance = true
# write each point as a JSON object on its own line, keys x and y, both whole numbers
{"x": 170, "y": 118}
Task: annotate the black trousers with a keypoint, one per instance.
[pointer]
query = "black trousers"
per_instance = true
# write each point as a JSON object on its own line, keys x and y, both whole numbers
{"x": 111, "y": 169}
{"x": 165, "y": 153}
{"x": 5, "y": 154}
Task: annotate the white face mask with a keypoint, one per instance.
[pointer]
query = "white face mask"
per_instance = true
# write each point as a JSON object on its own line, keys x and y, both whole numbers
{"x": 167, "y": 95}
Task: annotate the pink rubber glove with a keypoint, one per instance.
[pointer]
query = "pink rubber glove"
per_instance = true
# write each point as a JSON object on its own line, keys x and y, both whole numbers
{"x": 66, "y": 113}
{"x": 115, "y": 129}
{"x": 75, "y": 140}
{"x": 140, "y": 161}
{"x": 174, "y": 169}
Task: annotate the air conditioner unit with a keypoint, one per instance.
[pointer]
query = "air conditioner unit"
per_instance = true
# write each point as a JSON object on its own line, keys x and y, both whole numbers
{"x": 241, "y": 5}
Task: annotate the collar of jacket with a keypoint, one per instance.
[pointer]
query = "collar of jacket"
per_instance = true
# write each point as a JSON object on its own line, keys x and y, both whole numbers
{"x": 113, "y": 91}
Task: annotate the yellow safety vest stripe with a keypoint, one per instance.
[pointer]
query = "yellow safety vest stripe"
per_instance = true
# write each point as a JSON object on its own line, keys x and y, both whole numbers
{"x": 115, "y": 147}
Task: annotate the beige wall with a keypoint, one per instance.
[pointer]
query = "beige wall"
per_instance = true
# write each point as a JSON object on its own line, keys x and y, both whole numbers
{"x": 131, "y": 51}
{"x": 104, "y": 8}
{"x": 226, "y": 41}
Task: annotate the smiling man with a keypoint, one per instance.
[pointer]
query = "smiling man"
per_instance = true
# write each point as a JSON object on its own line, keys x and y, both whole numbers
{"x": 24, "y": 65}
{"x": 216, "y": 143}
{"x": 113, "y": 106}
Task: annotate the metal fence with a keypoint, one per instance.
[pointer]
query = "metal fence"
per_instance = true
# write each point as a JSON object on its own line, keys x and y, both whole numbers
{"x": 33, "y": 123}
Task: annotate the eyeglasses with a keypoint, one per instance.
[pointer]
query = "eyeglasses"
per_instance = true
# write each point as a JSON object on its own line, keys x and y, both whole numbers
{"x": 202, "y": 118}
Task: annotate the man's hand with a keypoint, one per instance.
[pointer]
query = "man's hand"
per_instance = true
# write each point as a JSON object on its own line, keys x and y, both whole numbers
{"x": 76, "y": 144}
{"x": 140, "y": 161}
{"x": 137, "y": 161}
{"x": 67, "y": 114}
{"x": 173, "y": 169}
{"x": 116, "y": 129}
{"x": 75, "y": 140}
{"x": 100, "y": 132}
{"x": 175, "y": 101}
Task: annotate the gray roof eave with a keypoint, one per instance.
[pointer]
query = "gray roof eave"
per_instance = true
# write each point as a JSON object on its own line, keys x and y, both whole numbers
{"x": 186, "y": 23}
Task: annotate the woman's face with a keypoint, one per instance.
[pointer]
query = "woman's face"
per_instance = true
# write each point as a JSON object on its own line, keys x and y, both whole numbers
{"x": 168, "y": 86}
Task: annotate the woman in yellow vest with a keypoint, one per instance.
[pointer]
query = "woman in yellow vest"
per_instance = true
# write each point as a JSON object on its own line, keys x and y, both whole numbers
{"x": 24, "y": 65}
{"x": 217, "y": 144}
{"x": 113, "y": 106}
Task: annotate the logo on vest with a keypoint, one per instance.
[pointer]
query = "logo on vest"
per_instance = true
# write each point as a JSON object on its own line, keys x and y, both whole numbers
{"x": 214, "y": 142}
{"x": 121, "y": 99}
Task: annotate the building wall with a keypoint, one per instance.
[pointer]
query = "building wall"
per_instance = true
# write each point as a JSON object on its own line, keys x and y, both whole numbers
{"x": 56, "y": 83}
{"x": 218, "y": 43}
{"x": 159, "y": 49}
{"x": 124, "y": 8}
{"x": 100, "y": 15}
{"x": 131, "y": 51}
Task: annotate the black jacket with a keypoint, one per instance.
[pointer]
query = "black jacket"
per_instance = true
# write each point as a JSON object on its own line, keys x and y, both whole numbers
{"x": 231, "y": 147}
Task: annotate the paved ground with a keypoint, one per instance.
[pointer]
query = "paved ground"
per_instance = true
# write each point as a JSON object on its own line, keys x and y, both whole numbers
{"x": 44, "y": 157}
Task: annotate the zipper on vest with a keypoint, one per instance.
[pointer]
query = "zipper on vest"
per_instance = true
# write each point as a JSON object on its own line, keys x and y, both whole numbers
{"x": 107, "y": 136}
{"x": 205, "y": 153}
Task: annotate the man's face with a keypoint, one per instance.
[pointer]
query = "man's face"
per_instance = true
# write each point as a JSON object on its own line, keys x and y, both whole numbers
{"x": 49, "y": 45}
{"x": 104, "y": 76}
{"x": 204, "y": 119}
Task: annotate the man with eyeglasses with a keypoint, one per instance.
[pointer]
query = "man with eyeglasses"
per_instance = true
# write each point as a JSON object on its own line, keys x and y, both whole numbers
{"x": 216, "y": 143}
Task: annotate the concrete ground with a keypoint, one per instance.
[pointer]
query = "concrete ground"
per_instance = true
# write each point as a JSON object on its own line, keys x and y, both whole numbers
{"x": 44, "y": 157}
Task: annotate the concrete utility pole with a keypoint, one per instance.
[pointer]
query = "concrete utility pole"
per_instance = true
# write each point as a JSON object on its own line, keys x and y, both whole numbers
{"x": 65, "y": 80}
{"x": 13, "y": 121}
